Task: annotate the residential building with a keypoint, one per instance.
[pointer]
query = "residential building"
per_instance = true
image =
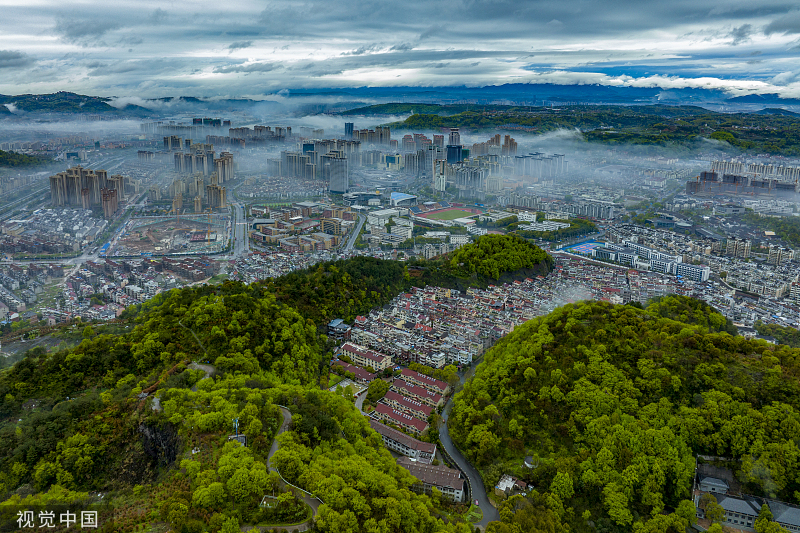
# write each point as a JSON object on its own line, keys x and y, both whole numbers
{"x": 447, "y": 480}
{"x": 397, "y": 441}
{"x": 415, "y": 378}
{"x": 367, "y": 358}
{"x": 361, "y": 375}
{"x": 420, "y": 394}
{"x": 407, "y": 422}
{"x": 401, "y": 403}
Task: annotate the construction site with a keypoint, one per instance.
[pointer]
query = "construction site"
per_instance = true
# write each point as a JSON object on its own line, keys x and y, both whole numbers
{"x": 172, "y": 235}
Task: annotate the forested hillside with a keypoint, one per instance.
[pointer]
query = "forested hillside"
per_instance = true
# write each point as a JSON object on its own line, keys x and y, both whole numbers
{"x": 612, "y": 403}
{"x": 675, "y": 126}
{"x": 129, "y": 413}
{"x": 125, "y": 416}
{"x": 14, "y": 159}
{"x": 348, "y": 288}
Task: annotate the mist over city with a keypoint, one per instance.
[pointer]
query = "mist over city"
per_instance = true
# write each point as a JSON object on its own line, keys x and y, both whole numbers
{"x": 452, "y": 267}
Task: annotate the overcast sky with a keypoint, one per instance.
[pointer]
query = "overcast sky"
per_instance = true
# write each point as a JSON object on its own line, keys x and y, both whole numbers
{"x": 243, "y": 48}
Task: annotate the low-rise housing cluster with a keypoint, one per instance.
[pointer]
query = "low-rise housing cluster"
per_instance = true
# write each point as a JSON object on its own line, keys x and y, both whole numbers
{"x": 51, "y": 231}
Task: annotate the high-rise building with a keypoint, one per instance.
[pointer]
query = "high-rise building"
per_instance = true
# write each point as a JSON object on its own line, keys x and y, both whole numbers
{"x": 177, "y": 203}
{"x": 335, "y": 172}
{"x": 384, "y": 136}
{"x": 109, "y": 202}
{"x": 510, "y": 145}
{"x": 438, "y": 140}
{"x": 198, "y": 204}
{"x": 738, "y": 248}
{"x": 173, "y": 142}
{"x": 455, "y": 137}
{"x": 223, "y": 166}
{"x": 454, "y": 153}
{"x": 439, "y": 175}
{"x": 778, "y": 255}
{"x": 67, "y": 188}
{"x": 216, "y": 196}
{"x": 348, "y": 130}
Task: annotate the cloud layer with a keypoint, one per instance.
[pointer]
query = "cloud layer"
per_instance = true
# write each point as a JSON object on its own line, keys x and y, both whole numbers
{"x": 149, "y": 48}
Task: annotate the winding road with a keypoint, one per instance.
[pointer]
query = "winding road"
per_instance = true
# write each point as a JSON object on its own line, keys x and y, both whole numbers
{"x": 477, "y": 491}
{"x": 308, "y": 499}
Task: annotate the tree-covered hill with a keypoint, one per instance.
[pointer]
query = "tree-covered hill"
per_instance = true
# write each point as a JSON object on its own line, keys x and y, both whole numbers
{"x": 122, "y": 414}
{"x": 613, "y": 403}
{"x": 644, "y": 124}
{"x": 71, "y": 103}
{"x": 348, "y": 288}
{"x": 135, "y": 413}
{"x": 14, "y": 159}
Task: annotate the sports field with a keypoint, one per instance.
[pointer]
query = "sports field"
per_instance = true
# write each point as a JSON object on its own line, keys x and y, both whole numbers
{"x": 449, "y": 214}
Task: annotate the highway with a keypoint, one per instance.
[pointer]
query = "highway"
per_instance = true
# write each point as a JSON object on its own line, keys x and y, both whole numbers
{"x": 239, "y": 232}
{"x": 351, "y": 240}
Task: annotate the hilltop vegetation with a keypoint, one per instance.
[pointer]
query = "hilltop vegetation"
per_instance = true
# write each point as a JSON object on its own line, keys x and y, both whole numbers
{"x": 14, "y": 159}
{"x": 66, "y": 102}
{"x": 492, "y": 255}
{"x": 125, "y": 412}
{"x": 348, "y": 288}
{"x": 613, "y": 402}
{"x": 77, "y": 421}
{"x": 644, "y": 125}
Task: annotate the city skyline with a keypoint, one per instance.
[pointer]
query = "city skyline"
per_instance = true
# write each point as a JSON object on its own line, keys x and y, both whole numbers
{"x": 152, "y": 49}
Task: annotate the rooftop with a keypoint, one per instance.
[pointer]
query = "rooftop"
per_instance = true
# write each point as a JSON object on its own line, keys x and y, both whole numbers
{"x": 440, "y": 476}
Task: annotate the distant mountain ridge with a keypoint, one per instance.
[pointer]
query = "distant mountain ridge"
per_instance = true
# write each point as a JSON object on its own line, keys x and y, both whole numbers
{"x": 69, "y": 103}
{"x": 302, "y": 101}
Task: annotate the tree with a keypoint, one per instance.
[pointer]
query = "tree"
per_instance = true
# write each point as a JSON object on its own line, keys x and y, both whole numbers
{"x": 562, "y": 486}
{"x": 713, "y": 510}
{"x": 230, "y": 525}
{"x": 377, "y": 389}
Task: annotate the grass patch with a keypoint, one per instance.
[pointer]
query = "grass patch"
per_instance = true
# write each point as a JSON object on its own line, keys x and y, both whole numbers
{"x": 474, "y": 515}
{"x": 217, "y": 279}
{"x": 452, "y": 214}
{"x": 334, "y": 379}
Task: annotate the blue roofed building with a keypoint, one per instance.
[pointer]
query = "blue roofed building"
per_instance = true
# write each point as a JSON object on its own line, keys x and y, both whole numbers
{"x": 400, "y": 199}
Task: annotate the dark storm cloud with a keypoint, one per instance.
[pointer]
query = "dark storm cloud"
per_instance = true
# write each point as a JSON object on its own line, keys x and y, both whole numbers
{"x": 316, "y": 43}
{"x": 138, "y": 67}
{"x": 741, "y": 34}
{"x": 787, "y": 24}
{"x": 240, "y": 44}
{"x": 83, "y": 31}
{"x": 14, "y": 59}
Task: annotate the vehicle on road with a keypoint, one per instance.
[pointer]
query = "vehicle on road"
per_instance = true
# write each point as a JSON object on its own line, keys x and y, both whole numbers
{"x": 476, "y": 503}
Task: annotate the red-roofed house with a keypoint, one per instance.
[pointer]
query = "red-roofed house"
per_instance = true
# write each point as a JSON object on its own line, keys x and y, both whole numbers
{"x": 407, "y": 405}
{"x": 415, "y": 378}
{"x": 407, "y": 422}
{"x": 360, "y": 374}
{"x": 365, "y": 357}
{"x": 420, "y": 394}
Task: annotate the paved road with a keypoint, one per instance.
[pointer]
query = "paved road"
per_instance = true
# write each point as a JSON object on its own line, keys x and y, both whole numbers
{"x": 360, "y": 402}
{"x": 490, "y": 513}
{"x": 354, "y": 235}
{"x": 312, "y": 502}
